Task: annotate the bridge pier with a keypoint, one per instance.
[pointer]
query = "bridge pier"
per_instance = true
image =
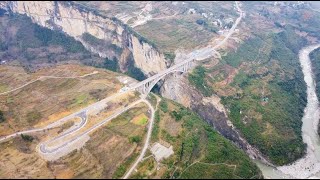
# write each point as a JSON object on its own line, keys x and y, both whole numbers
{"x": 146, "y": 86}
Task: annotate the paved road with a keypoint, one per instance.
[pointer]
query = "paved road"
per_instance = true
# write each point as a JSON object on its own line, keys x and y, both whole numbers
{"x": 45, "y": 150}
{"x": 43, "y": 77}
{"x": 93, "y": 107}
{"x": 74, "y": 128}
{"x": 231, "y": 31}
{"x": 3, "y": 139}
{"x": 84, "y": 119}
{"x": 199, "y": 54}
{"x": 147, "y": 142}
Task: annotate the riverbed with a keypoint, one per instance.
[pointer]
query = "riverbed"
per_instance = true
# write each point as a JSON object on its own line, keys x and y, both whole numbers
{"x": 309, "y": 165}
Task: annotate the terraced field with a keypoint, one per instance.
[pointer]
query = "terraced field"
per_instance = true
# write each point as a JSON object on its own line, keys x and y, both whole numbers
{"x": 48, "y": 99}
{"x": 107, "y": 149}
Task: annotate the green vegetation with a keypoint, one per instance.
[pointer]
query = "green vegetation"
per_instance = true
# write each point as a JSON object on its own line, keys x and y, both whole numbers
{"x": 155, "y": 130}
{"x": 121, "y": 170}
{"x": 93, "y": 41}
{"x": 197, "y": 79}
{"x": 152, "y": 99}
{"x": 141, "y": 38}
{"x": 66, "y": 126}
{"x": 34, "y": 45}
{"x": 113, "y": 18}
{"x": 198, "y": 142}
{"x": 274, "y": 126}
{"x": 143, "y": 121}
{"x": 27, "y": 138}
{"x": 315, "y": 60}
{"x": 111, "y": 65}
{"x": 134, "y": 72}
{"x": 169, "y": 56}
{"x": 34, "y": 116}
{"x": 81, "y": 99}
{"x": 135, "y": 139}
{"x": 49, "y": 37}
{"x": 181, "y": 31}
{"x": 2, "y": 118}
{"x": 208, "y": 171}
{"x": 207, "y": 26}
{"x": 245, "y": 52}
{"x": 3, "y": 87}
{"x": 177, "y": 115}
{"x": 2, "y": 12}
{"x": 148, "y": 165}
{"x": 163, "y": 106}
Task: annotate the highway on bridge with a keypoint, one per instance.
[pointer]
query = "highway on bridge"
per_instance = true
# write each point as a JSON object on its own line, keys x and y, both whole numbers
{"x": 196, "y": 55}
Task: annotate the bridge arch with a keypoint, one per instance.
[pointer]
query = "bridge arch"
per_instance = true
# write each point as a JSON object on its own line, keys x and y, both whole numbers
{"x": 147, "y": 87}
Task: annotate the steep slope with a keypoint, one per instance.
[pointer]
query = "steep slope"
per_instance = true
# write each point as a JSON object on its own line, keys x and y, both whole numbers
{"x": 32, "y": 46}
{"x": 199, "y": 151}
{"x": 258, "y": 84}
{"x": 315, "y": 59}
{"x": 113, "y": 147}
{"x": 47, "y": 99}
{"x": 77, "y": 21}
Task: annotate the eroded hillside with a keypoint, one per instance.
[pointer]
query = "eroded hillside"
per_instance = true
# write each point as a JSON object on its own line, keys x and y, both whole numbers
{"x": 113, "y": 147}
{"x": 250, "y": 90}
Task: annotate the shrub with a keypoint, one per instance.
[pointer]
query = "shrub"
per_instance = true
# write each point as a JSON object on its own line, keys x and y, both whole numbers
{"x": 164, "y": 106}
{"x": 135, "y": 139}
{"x": 111, "y": 64}
{"x": 169, "y": 56}
{"x": 197, "y": 78}
{"x": 2, "y": 118}
{"x": 33, "y": 116}
{"x": 50, "y": 37}
{"x": 27, "y": 138}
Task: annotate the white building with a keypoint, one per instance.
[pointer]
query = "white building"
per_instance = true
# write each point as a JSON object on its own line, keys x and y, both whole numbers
{"x": 204, "y": 15}
{"x": 191, "y": 11}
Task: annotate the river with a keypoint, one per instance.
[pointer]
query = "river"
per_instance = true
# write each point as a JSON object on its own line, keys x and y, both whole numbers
{"x": 309, "y": 165}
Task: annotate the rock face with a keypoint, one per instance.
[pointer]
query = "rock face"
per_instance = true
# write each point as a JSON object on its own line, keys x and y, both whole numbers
{"x": 209, "y": 109}
{"x": 75, "y": 20}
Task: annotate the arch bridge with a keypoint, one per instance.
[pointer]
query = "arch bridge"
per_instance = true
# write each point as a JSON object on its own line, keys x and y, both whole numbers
{"x": 145, "y": 86}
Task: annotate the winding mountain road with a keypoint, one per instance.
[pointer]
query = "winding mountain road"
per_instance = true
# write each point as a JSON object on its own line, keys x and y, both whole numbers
{"x": 43, "y": 147}
{"x": 45, "y": 150}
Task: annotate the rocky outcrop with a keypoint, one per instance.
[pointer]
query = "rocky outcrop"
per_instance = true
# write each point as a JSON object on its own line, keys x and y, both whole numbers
{"x": 75, "y": 20}
{"x": 209, "y": 109}
{"x": 146, "y": 57}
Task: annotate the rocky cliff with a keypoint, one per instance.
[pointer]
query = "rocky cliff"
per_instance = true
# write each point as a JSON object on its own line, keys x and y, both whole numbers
{"x": 76, "y": 20}
{"x": 210, "y": 109}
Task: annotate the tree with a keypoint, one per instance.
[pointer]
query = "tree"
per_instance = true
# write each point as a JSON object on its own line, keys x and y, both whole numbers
{"x": 111, "y": 64}
{"x": 2, "y": 119}
{"x": 27, "y": 138}
{"x": 200, "y": 22}
{"x": 135, "y": 139}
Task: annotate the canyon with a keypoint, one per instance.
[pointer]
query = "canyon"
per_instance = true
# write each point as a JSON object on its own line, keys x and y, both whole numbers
{"x": 223, "y": 104}
{"x": 76, "y": 20}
